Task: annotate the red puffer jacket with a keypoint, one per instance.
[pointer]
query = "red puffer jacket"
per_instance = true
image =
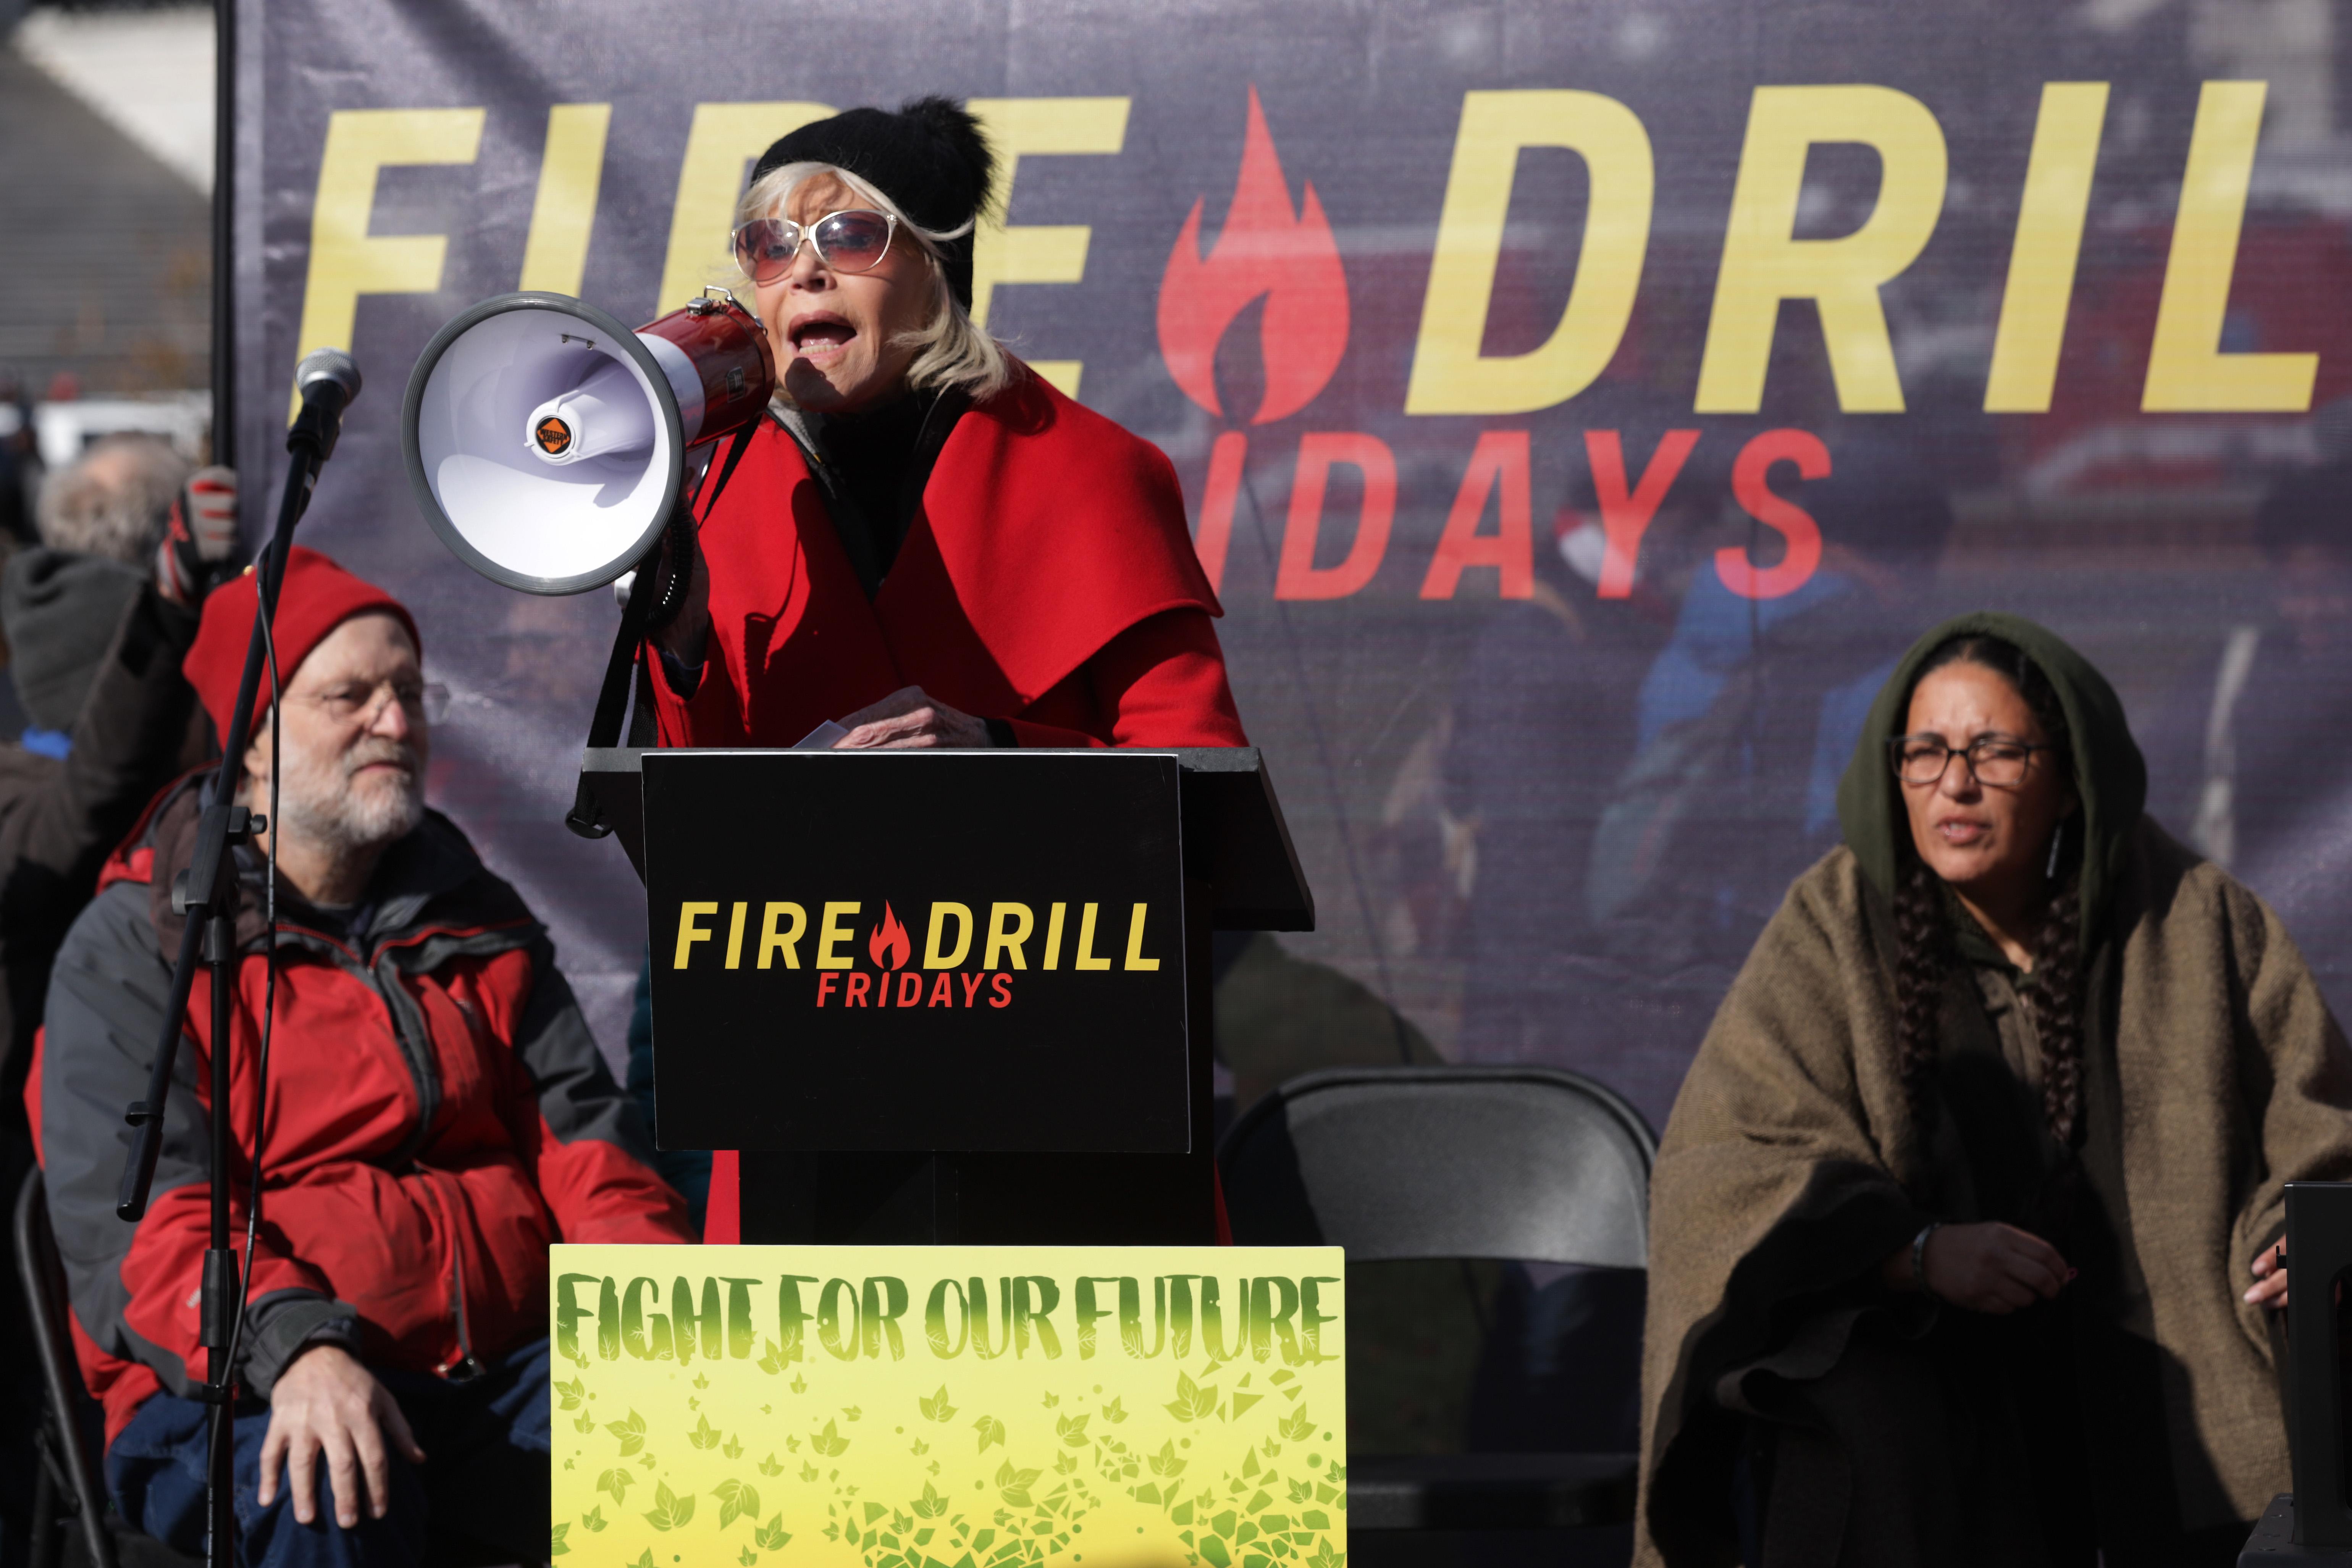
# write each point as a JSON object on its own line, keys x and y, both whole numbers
{"x": 437, "y": 1115}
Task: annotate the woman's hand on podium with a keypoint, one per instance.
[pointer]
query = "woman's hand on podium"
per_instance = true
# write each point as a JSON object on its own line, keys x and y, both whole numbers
{"x": 1994, "y": 1269}
{"x": 2270, "y": 1277}
{"x": 911, "y": 719}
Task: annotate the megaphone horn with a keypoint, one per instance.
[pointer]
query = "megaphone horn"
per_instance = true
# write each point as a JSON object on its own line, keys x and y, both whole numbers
{"x": 547, "y": 443}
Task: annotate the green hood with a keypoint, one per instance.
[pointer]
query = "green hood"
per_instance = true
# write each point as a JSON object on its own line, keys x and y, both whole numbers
{"x": 2109, "y": 773}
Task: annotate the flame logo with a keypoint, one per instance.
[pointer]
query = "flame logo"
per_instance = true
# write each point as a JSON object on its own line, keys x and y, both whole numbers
{"x": 889, "y": 944}
{"x": 1264, "y": 250}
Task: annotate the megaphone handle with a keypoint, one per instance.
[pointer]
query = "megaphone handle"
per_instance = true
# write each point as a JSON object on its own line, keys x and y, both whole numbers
{"x": 641, "y": 614}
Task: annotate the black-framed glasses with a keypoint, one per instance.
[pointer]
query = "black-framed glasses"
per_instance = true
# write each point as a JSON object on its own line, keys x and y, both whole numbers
{"x": 1997, "y": 760}
{"x": 854, "y": 240}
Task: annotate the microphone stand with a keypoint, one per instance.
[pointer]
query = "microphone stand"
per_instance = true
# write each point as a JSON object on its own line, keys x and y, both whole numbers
{"x": 206, "y": 894}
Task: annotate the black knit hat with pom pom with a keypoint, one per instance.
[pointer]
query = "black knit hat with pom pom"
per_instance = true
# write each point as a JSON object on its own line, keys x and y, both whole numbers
{"x": 930, "y": 157}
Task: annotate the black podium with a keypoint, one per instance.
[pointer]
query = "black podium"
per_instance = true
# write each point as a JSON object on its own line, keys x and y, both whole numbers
{"x": 948, "y": 996}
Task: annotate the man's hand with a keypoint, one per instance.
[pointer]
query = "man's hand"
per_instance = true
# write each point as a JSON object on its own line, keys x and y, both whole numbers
{"x": 910, "y": 719}
{"x": 1994, "y": 1269}
{"x": 2270, "y": 1274}
{"x": 325, "y": 1401}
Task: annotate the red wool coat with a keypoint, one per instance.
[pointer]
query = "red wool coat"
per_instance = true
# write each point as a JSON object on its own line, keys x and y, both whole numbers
{"x": 1047, "y": 579}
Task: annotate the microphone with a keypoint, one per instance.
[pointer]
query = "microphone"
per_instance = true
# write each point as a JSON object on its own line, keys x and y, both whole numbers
{"x": 327, "y": 380}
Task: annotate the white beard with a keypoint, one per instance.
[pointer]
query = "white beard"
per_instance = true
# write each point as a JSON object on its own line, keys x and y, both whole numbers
{"x": 320, "y": 799}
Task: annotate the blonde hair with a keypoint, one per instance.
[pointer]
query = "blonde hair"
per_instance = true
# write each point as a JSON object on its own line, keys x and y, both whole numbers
{"x": 952, "y": 350}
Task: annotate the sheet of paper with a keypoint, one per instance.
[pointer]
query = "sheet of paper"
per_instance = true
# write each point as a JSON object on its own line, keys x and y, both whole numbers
{"x": 822, "y": 738}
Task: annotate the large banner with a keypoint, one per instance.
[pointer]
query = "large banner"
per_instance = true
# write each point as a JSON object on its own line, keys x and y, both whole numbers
{"x": 1578, "y": 408}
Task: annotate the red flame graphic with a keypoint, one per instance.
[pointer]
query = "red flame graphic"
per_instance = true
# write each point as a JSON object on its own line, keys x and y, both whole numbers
{"x": 1263, "y": 250}
{"x": 889, "y": 944}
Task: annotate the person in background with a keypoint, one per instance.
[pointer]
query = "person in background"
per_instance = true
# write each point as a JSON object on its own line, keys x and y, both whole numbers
{"x": 2247, "y": 768}
{"x": 438, "y": 1115}
{"x": 1965, "y": 1224}
{"x": 20, "y": 464}
{"x": 1741, "y": 727}
{"x": 97, "y": 618}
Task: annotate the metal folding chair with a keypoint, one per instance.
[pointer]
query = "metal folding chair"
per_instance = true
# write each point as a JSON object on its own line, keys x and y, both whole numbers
{"x": 1531, "y": 1164}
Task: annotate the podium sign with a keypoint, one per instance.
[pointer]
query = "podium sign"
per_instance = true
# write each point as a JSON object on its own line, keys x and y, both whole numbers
{"x": 949, "y": 1406}
{"x": 893, "y": 951}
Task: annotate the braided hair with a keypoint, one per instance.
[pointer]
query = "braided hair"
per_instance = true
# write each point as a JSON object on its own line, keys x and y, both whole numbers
{"x": 1926, "y": 952}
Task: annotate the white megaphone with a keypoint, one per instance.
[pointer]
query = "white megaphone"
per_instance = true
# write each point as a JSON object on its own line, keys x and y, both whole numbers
{"x": 547, "y": 443}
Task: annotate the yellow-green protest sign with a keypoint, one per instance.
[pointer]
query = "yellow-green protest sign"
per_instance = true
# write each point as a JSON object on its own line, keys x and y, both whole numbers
{"x": 950, "y": 1407}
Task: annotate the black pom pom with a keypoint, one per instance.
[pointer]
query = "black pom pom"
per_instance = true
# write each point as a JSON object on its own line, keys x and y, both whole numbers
{"x": 958, "y": 133}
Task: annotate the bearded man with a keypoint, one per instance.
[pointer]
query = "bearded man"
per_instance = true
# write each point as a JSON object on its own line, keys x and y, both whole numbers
{"x": 438, "y": 1114}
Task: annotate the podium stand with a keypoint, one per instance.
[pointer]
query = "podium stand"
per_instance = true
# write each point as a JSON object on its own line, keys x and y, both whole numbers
{"x": 948, "y": 997}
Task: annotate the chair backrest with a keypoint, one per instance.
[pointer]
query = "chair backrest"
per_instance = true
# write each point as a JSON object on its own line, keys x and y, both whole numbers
{"x": 1534, "y": 1163}
{"x": 42, "y": 1275}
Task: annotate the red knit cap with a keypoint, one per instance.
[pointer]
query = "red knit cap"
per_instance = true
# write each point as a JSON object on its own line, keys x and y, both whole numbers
{"x": 316, "y": 596}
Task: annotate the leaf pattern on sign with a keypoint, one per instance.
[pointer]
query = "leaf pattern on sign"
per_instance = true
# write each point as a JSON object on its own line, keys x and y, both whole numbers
{"x": 1114, "y": 1413}
{"x": 1013, "y": 1484}
{"x": 670, "y": 1511}
{"x": 829, "y": 1442}
{"x": 617, "y": 1481}
{"x": 935, "y": 1406}
{"x": 556, "y": 1534}
{"x": 1072, "y": 1430}
{"x": 631, "y": 1432}
{"x": 594, "y": 1518}
{"x": 1193, "y": 1402}
{"x": 768, "y": 1465}
{"x": 772, "y": 1536}
{"x": 704, "y": 1435}
{"x": 570, "y": 1392}
{"x": 991, "y": 1430}
{"x": 735, "y": 1502}
{"x": 1297, "y": 1426}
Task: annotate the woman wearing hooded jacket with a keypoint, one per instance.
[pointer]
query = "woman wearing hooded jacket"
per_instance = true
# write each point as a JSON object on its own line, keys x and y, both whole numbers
{"x": 1963, "y": 1226}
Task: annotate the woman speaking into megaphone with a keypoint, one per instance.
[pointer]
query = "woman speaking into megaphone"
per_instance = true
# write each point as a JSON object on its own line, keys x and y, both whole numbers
{"x": 926, "y": 543}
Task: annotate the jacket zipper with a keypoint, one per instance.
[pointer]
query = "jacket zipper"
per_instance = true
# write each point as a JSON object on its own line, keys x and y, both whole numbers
{"x": 463, "y": 1367}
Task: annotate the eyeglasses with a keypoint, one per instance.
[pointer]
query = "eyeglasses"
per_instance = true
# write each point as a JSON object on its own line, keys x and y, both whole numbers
{"x": 1995, "y": 759}
{"x": 363, "y": 705}
{"x": 854, "y": 240}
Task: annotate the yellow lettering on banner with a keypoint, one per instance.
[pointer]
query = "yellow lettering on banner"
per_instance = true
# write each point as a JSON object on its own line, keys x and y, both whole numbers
{"x": 1054, "y": 918}
{"x": 2187, "y": 371}
{"x": 1134, "y": 959}
{"x": 831, "y": 933}
{"x": 2048, "y": 244}
{"x": 1449, "y": 373}
{"x": 1037, "y": 253}
{"x": 735, "y": 935}
{"x": 346, "y": 262}
{"x": 1008, "y": 926}
{"x": 771, "y": 941}
{"x": 935, "y": 953}
{"x": 725, "y": 137}
{"x": 688, "y": 930}
{"x": 1764, "y": 263}
{"x": 1086, "y": 958}
{"x": 571, "y": 173}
